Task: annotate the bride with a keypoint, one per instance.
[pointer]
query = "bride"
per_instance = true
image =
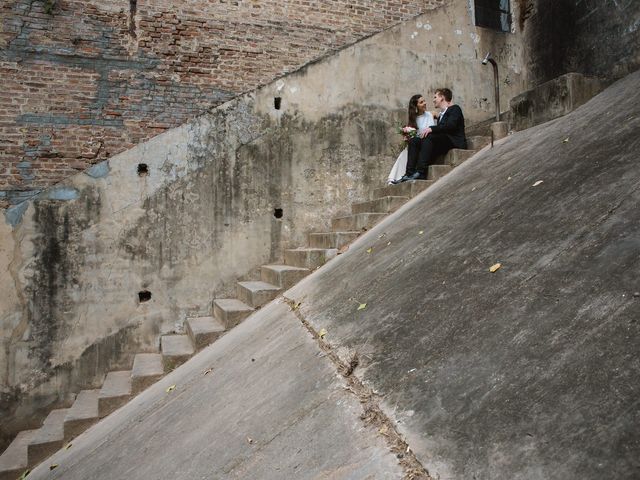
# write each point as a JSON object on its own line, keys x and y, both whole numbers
{"x": 418, "y": 118}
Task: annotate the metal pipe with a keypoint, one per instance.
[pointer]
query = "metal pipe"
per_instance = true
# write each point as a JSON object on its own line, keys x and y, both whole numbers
{"x": 489, "y": 59}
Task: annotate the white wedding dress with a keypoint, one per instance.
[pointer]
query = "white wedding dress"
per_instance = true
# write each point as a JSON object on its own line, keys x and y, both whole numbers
{"x": 399, "y": 168}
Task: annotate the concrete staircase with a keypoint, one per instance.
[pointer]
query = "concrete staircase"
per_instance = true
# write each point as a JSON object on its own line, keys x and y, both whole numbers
{"x": 33, "y": 446}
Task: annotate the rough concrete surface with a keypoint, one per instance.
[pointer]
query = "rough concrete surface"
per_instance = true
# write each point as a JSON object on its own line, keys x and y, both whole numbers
{"x": 262, "y": 402}
{"x": 530, "y": 372}
{"x": 74, "y": 259}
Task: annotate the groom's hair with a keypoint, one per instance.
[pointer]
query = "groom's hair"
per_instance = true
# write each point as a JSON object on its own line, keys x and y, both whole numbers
{"x": 446, "y": 93}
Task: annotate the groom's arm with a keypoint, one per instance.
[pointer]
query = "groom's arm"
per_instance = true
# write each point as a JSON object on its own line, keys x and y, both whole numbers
{"x": 452, "y": 121}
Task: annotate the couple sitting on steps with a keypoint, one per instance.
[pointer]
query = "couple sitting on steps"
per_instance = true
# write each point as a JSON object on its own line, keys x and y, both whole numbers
{"x": 431, "y": 138}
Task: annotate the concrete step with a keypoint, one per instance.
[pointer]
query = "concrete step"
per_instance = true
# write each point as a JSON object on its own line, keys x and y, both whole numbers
{"x": 405, "y": 189}
{"x": 230, "y": 311}
{"x": 359, "y": 221}
{"x": 457, "y": 157}
{"x": 203, "y": 330}
{"x": 176, "y": 349}
{"x": 438, "y": 171}
{"x": 379, "y": 205}
{"x": 49, "y": 438}
{"x": 284, "y": 276}
{"x": 331, "y": 239}
{"x": 147, "y": 370}
{"x": 14, "y": 460}
{"x": 478, "y": 142}
{"x": 115, "y": 392}
{"x": 82, "y": 414}
{"x": 310, "y": 258}
{"x": 256, "y": 293}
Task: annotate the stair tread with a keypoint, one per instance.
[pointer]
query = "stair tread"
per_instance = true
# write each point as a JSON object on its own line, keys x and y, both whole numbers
{"x": 232, "y": 305}
{"x": 362, "y": 214}
{"x": 176, "y": 345}
{"x": 52, "y": 429}
{"x": 255, "y": 285}
{"x": 285, "y": 268}
{"x": 204, "y": 325}
{"x": 308, "y": 249}
{"x": 15, "y": 456}
{"x": 381, "y": 198}
{"x": 147, "y": 364}
{"x": 85, "y": 406}
{"x": 344, "y": 232}
{"x": 117, "y": 384}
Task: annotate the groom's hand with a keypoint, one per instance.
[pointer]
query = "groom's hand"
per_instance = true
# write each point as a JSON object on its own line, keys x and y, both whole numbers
{"x": 426, "y": 132}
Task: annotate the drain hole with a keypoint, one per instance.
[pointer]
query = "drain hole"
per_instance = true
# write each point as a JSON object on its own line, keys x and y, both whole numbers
{"x": 143, "y": 169}
{"x": 277, "y": 213}
{"x": 144, "y": 296}
{"x": 277, "y": 101}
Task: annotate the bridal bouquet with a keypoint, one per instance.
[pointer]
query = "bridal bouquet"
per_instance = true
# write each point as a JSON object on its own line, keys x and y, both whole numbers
{"x": 407, "y": 132}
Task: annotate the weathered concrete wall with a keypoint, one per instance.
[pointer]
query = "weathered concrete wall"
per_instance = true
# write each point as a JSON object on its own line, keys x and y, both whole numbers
{"x": 594, "y": 37}
{"x": 75, "y": 257}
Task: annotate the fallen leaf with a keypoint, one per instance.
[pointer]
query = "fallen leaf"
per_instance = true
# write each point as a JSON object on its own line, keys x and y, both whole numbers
{"x": 207, "y": 371}
{"x": 388, "y": 243}
{"x": 68, "y": 446}
{"x": 537, "y": 183}
{"x": 24, "y": 474}
{"x": 343, "y": 249}
{"x": 295, "y": 306}
{"x": 495, "y": 267}
{"x": 566, "y": 140}
{"x": 509, "y": 178}
{"x": 383, "y": 430}
{"x": 420, "y": 232}
{"x": 171, "y": 388}
{"x": 370, "y": 249}
{"x": 53, "y": 466}
{"x": 362, "y": 306}
{"x": 322, "y": 333}
{"x": 249, "y": 440}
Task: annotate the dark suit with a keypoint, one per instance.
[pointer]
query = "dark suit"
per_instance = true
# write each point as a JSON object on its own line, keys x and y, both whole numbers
{"x": 447, "y": 134}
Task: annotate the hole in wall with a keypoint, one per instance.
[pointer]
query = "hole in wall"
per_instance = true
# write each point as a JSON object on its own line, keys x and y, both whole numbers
{"x": 277, "y": 101}
{"x": 143, "y": 169}
{"x": 133, "y": 9}
{"x": 144, "y": 296}
{"x": 277, "y": 212}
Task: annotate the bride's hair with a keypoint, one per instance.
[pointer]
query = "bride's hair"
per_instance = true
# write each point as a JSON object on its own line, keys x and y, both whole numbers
{"x": 412, "y": 112}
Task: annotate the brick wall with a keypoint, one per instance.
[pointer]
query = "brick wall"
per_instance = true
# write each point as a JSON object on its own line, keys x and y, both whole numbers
{"x": 84, "y": 79}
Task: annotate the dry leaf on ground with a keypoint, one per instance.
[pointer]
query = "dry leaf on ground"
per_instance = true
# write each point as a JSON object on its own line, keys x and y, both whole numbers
{"x": 322, "y": 333}
{"x": 362, "y": 306}
{"x": 171, "y": 388}
{"x": 537, "y": 183}
{"x": 495, "y": 267}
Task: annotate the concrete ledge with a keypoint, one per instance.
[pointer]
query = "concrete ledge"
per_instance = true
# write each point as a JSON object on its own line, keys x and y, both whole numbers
{"x": 552, "y": 99}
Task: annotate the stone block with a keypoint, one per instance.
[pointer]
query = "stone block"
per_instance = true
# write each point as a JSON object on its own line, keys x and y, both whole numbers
{"x": 552, "y": 99}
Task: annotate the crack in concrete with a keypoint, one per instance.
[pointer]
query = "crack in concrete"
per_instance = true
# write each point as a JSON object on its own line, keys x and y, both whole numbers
{"x": 373, "y": 414}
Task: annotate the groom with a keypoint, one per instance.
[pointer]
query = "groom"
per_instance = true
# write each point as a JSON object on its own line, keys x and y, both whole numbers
{"x": 437, "y": 140}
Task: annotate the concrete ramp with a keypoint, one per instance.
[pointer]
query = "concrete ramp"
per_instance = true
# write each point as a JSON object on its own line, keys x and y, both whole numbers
{"x": 527, "y": 372}
{"x": 264, "y": 403}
